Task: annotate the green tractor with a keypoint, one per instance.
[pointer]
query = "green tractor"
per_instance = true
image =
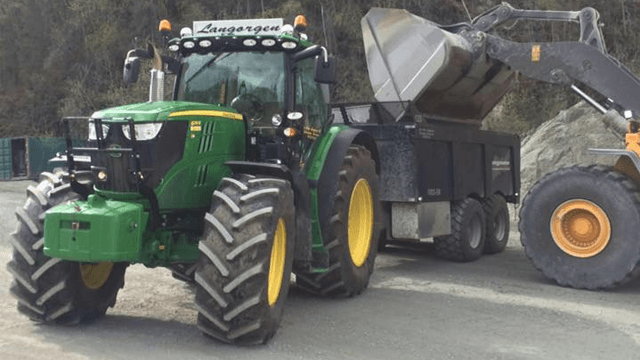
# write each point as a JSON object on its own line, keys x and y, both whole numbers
{"x": 236, "y": 183}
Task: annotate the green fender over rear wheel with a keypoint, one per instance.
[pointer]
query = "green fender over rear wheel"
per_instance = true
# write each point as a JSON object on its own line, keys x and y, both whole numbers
{"x": 351, "y": 235}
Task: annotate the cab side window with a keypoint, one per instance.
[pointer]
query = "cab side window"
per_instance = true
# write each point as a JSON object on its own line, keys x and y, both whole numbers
{"x": 309, "y": 95}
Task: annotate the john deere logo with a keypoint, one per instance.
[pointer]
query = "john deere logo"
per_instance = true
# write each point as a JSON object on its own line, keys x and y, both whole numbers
{"x": 114, "y": 147}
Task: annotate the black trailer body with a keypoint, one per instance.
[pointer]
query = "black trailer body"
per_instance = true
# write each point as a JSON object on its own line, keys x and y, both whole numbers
{"x": 427, "y": 164}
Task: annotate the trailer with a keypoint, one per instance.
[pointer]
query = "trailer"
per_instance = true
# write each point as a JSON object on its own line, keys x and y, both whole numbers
{"x": 435, "y": 173}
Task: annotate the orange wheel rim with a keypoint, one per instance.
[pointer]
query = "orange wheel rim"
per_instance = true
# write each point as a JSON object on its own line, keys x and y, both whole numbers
{"x": 580, "y": 228}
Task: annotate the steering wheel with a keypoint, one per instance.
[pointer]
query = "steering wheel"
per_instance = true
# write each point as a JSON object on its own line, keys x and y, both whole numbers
{"x": 249, "y": 105}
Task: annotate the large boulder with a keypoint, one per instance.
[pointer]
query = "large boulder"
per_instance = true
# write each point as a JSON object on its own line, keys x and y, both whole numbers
{"x": 563, "y": 141}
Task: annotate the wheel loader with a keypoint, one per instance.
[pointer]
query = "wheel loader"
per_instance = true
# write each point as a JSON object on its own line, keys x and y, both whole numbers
{"x": 578, "y": 225}
{"x": 247, "y": 175}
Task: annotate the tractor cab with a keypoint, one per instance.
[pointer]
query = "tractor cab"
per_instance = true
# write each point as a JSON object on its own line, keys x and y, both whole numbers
{"x": 268, "y": 72}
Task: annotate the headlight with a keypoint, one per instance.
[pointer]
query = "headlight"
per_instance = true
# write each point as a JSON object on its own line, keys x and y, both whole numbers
{"x": 143, "y": 131}
{"x": 289, "y": 45}
{"x": 276, "y": 120}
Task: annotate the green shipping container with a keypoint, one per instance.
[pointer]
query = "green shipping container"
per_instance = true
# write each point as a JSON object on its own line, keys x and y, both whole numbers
{"x": 26, "y": 158}
{"x": 5, "y": 159}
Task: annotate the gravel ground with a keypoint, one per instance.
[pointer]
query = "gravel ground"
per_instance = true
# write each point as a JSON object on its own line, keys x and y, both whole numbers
{"x": 416, "y": 307}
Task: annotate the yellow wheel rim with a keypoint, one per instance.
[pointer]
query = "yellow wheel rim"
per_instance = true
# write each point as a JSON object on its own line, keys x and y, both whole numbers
{"x": 360, "y": 222}
{"x": 95, "y": 275}
{"x": 580, "y": 228}
{"x": 276, "y": 266}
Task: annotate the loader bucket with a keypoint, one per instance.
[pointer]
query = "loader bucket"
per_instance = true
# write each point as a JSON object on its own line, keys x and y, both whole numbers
{"x": 442, "y": 73}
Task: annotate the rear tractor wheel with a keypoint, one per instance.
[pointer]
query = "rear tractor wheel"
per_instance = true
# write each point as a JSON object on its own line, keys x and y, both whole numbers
{"x": 468, "y": 233}
{"x": 51, "y": 290}
{"x": 580, "y": 225}
{"x": 352, "y": 233}
{"x": 246, "y": 254}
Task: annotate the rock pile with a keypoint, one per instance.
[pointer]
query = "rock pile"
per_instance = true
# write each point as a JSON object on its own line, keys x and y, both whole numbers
{"x": 563, "y": 141}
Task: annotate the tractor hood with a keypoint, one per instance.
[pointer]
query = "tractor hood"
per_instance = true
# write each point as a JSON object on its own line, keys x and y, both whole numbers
{"x": 162, "y": 111}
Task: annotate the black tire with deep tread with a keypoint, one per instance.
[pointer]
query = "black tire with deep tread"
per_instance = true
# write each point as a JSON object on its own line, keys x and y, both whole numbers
{"x": 50, "y": 290}
{"x": 616, "y": 194}
{"x": 343, "y": 278}
{"x": 457, "y": 246}
{"x": 232, "y": 273}
{"x": 496, "y": 213}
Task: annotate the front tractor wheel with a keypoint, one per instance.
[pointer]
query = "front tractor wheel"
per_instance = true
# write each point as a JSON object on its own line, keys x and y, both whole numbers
{"x": 246, "y": 254}
{"x": 51, "y": 290}
{"x": 352, "y": 232}
{"x": 579, "y": 226}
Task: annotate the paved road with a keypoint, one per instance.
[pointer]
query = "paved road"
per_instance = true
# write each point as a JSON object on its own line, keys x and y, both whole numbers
{"x": 417, "y": 307}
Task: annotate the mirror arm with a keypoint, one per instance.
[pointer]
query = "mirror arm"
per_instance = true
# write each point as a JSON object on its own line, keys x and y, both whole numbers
{"x": 311, "y": 51}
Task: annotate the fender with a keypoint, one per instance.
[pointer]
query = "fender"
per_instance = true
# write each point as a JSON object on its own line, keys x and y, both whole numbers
{"x": 628, "y": 161}
{"x": 322, "y": 170}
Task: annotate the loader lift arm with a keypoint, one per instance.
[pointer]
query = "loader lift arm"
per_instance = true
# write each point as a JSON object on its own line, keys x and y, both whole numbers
{"x": 588, "y": 18}
{"x": 585, "y": 61}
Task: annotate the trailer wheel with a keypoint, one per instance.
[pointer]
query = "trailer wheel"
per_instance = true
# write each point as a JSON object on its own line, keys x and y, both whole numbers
{"x": 352, "y": 234}
{"x": 246, "y": 254}
{"x": 468, "y": 233}
{"x": 497, "y": 216}
{"x": 579, "y": 226}
{"x": 51, "y": 290}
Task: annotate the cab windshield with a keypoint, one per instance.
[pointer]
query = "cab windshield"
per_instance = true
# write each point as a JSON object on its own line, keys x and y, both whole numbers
{"x": 250, "y": 82}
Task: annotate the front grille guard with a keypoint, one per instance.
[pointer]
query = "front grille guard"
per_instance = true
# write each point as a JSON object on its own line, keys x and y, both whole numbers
{"x": 83, "y": 190}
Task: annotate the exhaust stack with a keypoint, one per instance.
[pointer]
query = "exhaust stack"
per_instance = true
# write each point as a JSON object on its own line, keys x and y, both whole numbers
{"x": 156, "y": 86}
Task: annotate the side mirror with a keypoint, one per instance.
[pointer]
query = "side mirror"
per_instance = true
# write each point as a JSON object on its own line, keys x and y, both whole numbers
{"x": 325, "y": 72}
{"x": 131, "y": 69}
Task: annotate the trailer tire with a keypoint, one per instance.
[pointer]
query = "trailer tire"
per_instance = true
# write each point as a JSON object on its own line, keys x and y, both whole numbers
{"x": 51, "y": 290}
{"x": 246, "y": 254}
{"x": 468, "y": 233}
{"x": 579, "y": 227}
{"x": 351, "y": 236}
{"x": 497, "y": 217}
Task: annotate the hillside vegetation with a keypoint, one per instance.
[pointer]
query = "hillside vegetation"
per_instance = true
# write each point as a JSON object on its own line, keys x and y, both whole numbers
{"x": 61, "y": 58}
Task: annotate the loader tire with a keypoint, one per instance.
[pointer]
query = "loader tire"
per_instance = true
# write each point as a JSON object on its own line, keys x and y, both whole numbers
{"x": 468, "y": 233}
{"x": 351, "y": 237}
{"x": 497, "y": 224}
{"x": 579, "y": 226}
{"x": 242, "y": 278}
{"x": 51, "y": 290}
